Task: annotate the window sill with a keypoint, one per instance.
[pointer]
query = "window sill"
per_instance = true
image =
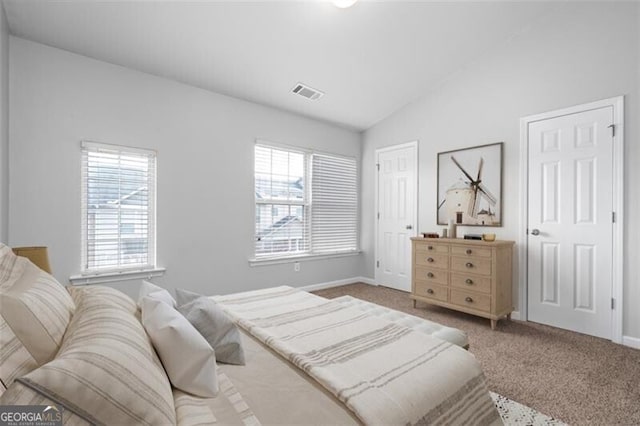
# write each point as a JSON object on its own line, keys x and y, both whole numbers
{"x": 108, "y": 277}
{"x": 300, "y": 258}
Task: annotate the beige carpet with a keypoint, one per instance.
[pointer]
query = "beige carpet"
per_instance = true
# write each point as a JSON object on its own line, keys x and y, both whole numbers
{"x": 578, "y": 379}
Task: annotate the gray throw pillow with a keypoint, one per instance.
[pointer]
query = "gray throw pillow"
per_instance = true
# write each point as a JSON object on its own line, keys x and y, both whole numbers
{"x": 183, "y": 296}
{"x": 214, "y": 325}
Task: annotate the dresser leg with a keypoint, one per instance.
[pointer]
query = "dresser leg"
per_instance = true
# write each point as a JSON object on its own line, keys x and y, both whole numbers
{"x": 493, "y": 324}
{"x": 414, "y": 303}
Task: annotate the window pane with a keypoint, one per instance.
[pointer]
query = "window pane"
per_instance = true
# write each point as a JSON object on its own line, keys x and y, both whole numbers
{"x": 118, "y": 208}
{"x": 280, "y": 229}
{"x": 279, "y": 175}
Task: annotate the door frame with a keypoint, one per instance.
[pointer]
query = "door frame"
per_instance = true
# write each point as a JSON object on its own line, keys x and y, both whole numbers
{"x": 617, "y": 263}
{"x": 413, "y": 144}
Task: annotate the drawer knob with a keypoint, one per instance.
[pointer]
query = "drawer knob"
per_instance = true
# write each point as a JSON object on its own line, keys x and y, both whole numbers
{"x": 469, "y": 265}
{"x": 429, "y": 291}
{"x": 469, "y": 281}
{"x": 429, "y": 247}
{"x": 468, "y": 299}
{"x": 430, "y": 259}
{"x": 430, "y": 274}
{"x": 469, "y": 251}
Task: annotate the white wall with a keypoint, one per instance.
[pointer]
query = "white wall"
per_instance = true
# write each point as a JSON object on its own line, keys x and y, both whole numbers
{"x": 4, "y": 125}
{"x": 205, "y": 166}
{"x": 581, "y": 53}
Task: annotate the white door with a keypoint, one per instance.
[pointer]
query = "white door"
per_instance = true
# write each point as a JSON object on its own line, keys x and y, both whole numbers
{"x": 397, "y": 214}
{"x": 570, "y": 229}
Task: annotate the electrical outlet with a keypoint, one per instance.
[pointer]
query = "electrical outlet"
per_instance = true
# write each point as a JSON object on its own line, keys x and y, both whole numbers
{"x": 296, "y": 266}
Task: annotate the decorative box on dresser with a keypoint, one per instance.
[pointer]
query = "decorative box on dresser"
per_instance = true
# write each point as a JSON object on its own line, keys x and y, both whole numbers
{"x": 466, "y": 275}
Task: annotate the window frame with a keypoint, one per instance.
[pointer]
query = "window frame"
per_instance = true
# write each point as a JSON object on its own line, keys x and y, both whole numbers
{"x": 120, "y": 272}
{"x": 288, "y": 257}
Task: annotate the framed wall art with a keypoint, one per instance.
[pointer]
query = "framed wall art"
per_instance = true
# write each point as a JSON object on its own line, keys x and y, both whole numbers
{"x": 470, "y": 186}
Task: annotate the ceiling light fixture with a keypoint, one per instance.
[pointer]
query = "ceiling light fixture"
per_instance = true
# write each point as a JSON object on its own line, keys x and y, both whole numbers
{"x": 343, "y": 4}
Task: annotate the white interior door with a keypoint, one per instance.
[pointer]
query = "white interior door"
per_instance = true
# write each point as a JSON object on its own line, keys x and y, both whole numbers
{"x": 397, "y": 214}
{"x": 570, "y": 229}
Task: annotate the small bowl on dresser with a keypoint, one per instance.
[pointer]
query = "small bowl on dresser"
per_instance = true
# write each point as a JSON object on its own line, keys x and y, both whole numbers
{"x": 488, "y": 237}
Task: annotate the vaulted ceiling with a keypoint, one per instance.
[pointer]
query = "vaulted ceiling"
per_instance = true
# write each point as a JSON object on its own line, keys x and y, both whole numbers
{"x": 370, "y": 59}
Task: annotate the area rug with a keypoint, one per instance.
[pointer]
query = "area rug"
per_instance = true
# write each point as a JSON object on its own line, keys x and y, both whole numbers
{"x": 514, "y": 413}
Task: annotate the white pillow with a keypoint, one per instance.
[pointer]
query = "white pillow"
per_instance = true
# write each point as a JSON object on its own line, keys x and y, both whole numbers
{"x": 189, "y": 360}
{"x": 148, "y": 289}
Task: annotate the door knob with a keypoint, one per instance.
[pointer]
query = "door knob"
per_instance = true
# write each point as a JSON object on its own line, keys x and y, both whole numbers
{"x": 535, "y": 232}
{"x": 409, "y": 227}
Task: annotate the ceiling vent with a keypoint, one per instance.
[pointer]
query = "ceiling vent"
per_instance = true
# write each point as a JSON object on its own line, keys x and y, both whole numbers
{"x": 307, "y": 92}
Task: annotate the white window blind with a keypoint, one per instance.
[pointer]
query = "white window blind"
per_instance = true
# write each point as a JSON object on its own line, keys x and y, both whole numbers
{"x": 334, "y": 199}
{"x": 118, "y": 208}
{"x": 306, "y": 203}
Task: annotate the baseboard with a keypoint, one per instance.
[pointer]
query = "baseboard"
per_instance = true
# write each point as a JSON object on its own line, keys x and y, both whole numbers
{"x": 366, "y": 280}
{"x": 632, "y": 342}
{"x": 338, "y": 283}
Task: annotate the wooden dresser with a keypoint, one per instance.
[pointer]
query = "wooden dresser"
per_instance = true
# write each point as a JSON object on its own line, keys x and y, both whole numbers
{"x": 466, "y": 275}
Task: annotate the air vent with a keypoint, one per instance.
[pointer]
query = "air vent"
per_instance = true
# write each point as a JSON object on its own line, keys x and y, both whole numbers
{"x": 307, "y": 92}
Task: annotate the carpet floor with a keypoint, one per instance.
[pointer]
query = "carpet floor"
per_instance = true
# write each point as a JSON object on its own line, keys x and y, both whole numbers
{"x": 579, "y": 379}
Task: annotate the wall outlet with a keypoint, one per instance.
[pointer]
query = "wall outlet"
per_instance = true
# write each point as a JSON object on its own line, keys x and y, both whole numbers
{"x": 296, "y": 266}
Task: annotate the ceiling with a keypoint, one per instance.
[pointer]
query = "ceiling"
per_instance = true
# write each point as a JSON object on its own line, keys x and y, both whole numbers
{"x": 370, "y": 59}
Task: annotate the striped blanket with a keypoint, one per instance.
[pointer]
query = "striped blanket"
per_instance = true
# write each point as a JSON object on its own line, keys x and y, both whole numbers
{"x": 384, "y": 372}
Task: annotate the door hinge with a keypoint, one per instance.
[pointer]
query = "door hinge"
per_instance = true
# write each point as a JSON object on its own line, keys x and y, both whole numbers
{"x": 377, "y": 263}
{"x": 613, "y": 129}
{"x": 378, "y": 215}
{"x": 613, "y": 217}
{"x": 378, "y": 166}
{"x": 613, "y": 303}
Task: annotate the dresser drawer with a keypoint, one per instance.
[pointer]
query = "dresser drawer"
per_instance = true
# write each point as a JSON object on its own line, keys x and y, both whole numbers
{"x": 471, "y": 251}
{"x": 471, "y": 282}
{"x": 440, "y": 261}
{"x": 469, "y": 265}
{"x": 432, "y": 275}
{"x": 481, "y": 302}
{"x": 430, "y": 247}
{"x": 432, "y": 291}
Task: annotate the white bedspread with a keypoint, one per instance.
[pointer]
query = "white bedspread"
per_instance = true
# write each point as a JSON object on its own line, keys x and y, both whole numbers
{"x": 384, "y": 372}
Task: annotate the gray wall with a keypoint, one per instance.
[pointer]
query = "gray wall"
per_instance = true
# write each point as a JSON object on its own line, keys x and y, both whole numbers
{"x": 581, "y": 53}
{"x": 205, "y": 167}
{"x": 4, "y": 126}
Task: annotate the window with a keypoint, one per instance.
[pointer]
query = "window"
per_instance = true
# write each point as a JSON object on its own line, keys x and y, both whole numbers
{"x": 118, "y": 208}
{"x": 306, "y": 203}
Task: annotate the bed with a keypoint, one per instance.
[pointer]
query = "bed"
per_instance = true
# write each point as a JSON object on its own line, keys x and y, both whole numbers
{"x": 309, "y": 360}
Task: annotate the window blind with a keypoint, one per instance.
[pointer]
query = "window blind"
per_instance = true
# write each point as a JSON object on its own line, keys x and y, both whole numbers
{"x": 334, "y": 201}
{"x": 306, "y": 203}
{"x": 118, "y": 208}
